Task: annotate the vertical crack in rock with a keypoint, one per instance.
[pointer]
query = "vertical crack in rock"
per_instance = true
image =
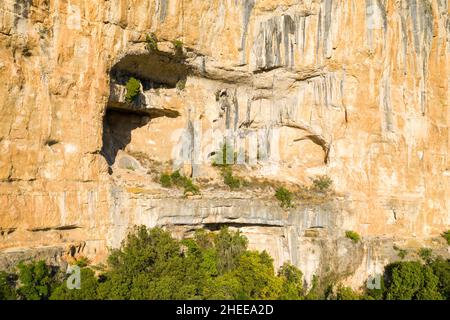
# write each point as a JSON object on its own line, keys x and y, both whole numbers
{"x": 288, "y": 31}
{"x": 162, "y": 8}
{"x": 247, "y": 7}
{"x": 385, "y": 101}
{"x": 421, "y": 17}
{"x": 277, "y": 41}
{"x": 327, "y": 43}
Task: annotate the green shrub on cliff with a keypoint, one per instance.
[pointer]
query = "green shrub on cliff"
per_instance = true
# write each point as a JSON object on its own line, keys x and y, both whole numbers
{"x": 352, "y": 235}
{"x": 230, "y": 180}
{"x": 133, "y": 88}
{"x": 151, "y": 42}
{"x": 322, "y": 183}
{"x": 285, "y": 197}
{"x": 178, "y": 180}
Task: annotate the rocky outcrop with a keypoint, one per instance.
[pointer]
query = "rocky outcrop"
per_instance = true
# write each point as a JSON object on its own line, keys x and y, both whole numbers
{"x": 356, "y": 90}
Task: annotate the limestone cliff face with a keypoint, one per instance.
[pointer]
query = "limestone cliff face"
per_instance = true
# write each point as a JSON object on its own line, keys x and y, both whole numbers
{"x": 356, "y": 90}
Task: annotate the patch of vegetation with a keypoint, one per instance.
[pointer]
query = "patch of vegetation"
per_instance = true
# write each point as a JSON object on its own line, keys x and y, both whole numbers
{"x": 151, "y": 42}
{"x": 133, "y": 88}
{"x": 446, "y": 236}
{"x": 352, "y": 235}
{"x": 224, "y": 158}
{"x": 425, "y": 254}
{"x": 229, "y": 179}
{"x": 285, "y": 197}
{"x": 410, "y": 280}
{"x": 181, "y": 84}
{"x": 36, "y": 280}
{"x": 402, "y": 253}
{"x": 322, "y": 183}
{"x": 292, "y": 288}
{"x": 7, "y": 286}
{"x": 441, "y": 268}
{"x": 166, "y": 180}
{"x": 178, "y": 46}
{"x": 88, "y": 290}
{"x": 315, "y": 293}
{"x": 180, "y": 181}
{"x": 346, "y": 293}
{"x": 151, "y": 264}
{"x": 82, "y": 262}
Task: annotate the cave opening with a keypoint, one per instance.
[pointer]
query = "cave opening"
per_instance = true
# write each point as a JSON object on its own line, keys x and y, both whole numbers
{"x": 155, "y": 71}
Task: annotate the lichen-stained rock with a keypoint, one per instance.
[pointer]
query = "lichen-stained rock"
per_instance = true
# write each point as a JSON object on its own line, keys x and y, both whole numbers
{"x": 356, "y": 90}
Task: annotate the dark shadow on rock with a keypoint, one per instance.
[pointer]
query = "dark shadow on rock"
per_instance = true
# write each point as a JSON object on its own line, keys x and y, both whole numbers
{"x": 117, "y": 128}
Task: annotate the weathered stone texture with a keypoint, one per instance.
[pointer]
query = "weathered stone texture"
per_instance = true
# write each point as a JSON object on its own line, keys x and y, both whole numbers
{"x": 357, "y": 90}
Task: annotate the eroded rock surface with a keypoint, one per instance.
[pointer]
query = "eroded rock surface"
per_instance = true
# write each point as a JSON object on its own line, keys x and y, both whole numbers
{"x": 356, "y": 90}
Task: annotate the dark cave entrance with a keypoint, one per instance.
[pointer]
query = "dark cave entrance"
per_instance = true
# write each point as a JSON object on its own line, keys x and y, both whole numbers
{"x": 155, "y": 71}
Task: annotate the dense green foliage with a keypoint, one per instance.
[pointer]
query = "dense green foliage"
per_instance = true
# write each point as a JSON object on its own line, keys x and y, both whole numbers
{"x": 133, "y": 87}
{"x": 36, "y": 279}
{"x": 346, "y": 293}
{"x": 7, "y": 290}
{"x": 441, "y": 268}
{"x": 88, "y": 290}
{"x": 410, "y": 280}
{"x": 352, "y": 235}
{"x": 285, "y": 197}
{"x": 211, "y": 265}
{"x": 180, "y": 181}
{"x": 152, "y": 265}
{"x": 292, "y": 282}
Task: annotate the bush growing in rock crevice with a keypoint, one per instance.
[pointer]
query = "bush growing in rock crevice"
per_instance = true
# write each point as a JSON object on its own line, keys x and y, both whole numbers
{"x": 151, "y": 42}
{"x": 285, "y": 197}
{"x": 352, "y": 235}
{"x": 322, "y": 183}
{"x": 178, "y": 46}
{"x": 229, "y": 179}
{"x": 133, "y": 88}
{"x": 178, "y": 180}
{"x": 222, "y": 160}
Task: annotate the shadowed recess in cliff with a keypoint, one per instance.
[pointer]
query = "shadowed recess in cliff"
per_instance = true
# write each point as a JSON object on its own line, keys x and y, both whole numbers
{"x": 155, "y": 71}
{"x": 117, "y": 128}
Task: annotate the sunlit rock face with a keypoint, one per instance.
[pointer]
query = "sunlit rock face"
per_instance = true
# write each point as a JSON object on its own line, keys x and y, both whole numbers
{"x": 356, "y": 90}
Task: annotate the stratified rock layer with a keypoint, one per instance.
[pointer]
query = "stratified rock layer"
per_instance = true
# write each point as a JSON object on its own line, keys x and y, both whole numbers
{"x": 356, "y": 90}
